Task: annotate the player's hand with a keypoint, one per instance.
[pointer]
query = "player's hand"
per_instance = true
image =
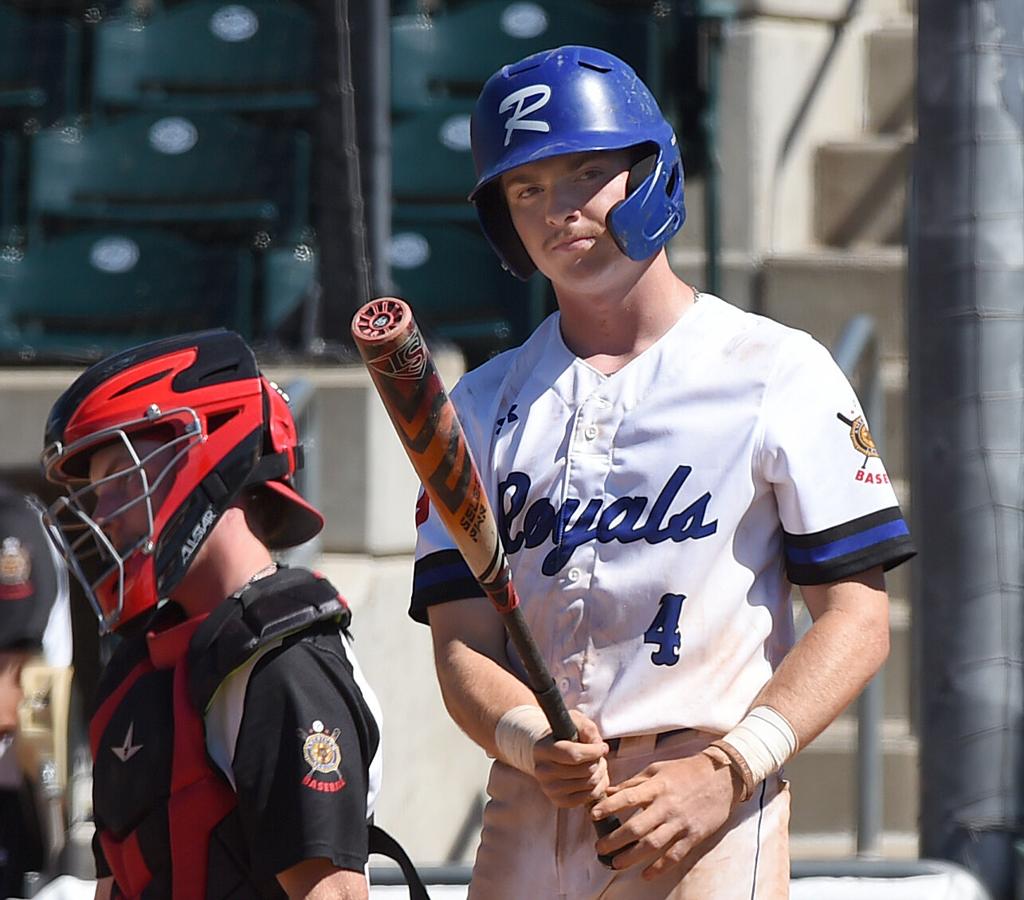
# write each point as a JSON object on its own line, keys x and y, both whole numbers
{"x": 572, "y": 773}
{"x": 677, "y": 804}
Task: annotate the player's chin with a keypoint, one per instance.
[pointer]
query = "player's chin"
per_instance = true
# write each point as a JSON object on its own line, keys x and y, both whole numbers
{"x": 580, "y": 272}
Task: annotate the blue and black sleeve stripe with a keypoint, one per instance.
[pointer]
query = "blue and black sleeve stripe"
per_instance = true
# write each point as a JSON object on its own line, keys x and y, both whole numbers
{"x": 438, "y": 578}
{"x": 878, "y": 539}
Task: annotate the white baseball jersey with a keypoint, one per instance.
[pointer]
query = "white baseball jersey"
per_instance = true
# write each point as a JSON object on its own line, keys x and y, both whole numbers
{"x": 655, "y": 518}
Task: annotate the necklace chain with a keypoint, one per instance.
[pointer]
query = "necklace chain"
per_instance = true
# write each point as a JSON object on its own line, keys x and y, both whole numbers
{"x": 265, "y": 572}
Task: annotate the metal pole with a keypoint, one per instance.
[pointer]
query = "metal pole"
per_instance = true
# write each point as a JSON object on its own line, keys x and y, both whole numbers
{"x": 967, "y": 431}
{"x": 713, "y": 17}
{"x": 857, "y": 349}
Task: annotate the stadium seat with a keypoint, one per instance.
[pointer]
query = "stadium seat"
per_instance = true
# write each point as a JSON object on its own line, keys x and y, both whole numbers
{"x": 452, "y": 279}
{"x": 97, "y": 290}
{"x": 442, "y": 61}
{"x": 431, "y": 160}
{"x": 208, "y": 55}
{"x": 289, "y": 281}
{"x": 90, "y": 10}
{"x": 39, "y": 58}
{"x": 205, "y": 169}
{"x": 10, "y": 183}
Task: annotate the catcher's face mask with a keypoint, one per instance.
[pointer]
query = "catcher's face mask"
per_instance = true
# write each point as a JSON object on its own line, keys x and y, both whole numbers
{"x": 106, "y": 526}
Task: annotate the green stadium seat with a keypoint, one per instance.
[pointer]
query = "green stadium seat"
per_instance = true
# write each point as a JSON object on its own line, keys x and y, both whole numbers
{"x": 208, "y": 55}
{"x": 10, "y": 184}
{"x": 443, "y": 60}
{"x": 90, "y": 10}
{"x": 205, "y": 169}
{"x": 97, "y": 290}
{"x": 289, "y": 282}
{"x": 39, "y": 58}
{"x": 450, "y": 276}
{"x": 431, "y": 160}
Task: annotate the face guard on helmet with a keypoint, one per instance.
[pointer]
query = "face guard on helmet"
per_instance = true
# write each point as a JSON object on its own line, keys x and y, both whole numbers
{"x": 152, "y": 445}
{"x": 574, "y": 100}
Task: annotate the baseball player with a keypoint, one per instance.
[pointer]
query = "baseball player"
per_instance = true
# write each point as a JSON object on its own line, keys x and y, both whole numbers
{"x": 236, "y": 744}
{"x": 29, "y": 587}
{"x": 663, "y": 466}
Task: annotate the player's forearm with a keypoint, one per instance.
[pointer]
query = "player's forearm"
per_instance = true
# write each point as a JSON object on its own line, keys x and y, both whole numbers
{"x": 318, "y": 879}
{"x": 477, "y": 690}
{"x": 830, "y": 665}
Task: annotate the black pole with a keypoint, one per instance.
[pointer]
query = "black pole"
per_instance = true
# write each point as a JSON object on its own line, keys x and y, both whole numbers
{"x": 967, "y": 432}
{"x": 338, "y": 206}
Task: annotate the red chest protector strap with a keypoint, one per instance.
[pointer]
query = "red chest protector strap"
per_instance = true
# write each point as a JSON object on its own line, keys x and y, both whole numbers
{"x": 199, "y": 798}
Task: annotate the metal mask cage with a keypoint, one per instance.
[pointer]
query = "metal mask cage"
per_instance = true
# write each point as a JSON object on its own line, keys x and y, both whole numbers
{"x": 83, "y": 539}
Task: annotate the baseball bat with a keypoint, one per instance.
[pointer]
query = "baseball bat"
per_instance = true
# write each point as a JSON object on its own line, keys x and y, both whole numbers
{"x": 414, "y": 396}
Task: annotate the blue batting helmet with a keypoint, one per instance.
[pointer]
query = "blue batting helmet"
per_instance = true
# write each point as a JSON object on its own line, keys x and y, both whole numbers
{"x": 571, "y": 100}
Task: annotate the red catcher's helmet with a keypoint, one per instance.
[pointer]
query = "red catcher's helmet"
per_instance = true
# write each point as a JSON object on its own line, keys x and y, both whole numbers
{"x": 196, "y": 423}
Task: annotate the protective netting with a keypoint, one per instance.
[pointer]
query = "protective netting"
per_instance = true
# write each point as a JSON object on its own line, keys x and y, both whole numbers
{"x": 170, "y": 165}
{"x": 156, "y": 164}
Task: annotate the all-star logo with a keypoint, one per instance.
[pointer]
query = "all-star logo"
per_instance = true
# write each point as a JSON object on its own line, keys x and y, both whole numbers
{"x": 198, "y": 533}
{"x": 128, "y": 749}
{"x": 509, "y": 417}
{"x": 860, "y": 437}
{"x": 15, "y": 569}
{"x": 322, "y": 754}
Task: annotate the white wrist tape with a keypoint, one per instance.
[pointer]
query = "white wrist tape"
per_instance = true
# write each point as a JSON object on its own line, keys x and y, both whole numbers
{"x": 764, "y": 740}
{"x": 516, "y": 733}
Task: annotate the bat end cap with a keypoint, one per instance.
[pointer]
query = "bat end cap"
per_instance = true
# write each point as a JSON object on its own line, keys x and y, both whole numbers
{"x": 381, "y": 319}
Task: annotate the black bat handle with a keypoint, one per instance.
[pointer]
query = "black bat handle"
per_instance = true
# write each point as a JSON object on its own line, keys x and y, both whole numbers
{"x": 549, "y": 699}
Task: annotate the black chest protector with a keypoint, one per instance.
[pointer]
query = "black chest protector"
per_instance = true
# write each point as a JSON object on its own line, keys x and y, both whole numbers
{"x": 157, "y": 796}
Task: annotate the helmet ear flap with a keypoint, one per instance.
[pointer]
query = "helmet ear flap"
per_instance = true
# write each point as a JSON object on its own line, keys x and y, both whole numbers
{"x": 496, "y": 222}
{"x": 639, "y": 172}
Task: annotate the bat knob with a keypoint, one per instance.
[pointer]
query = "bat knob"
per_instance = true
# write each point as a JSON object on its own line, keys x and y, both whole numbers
{"x": 381, "y": 319}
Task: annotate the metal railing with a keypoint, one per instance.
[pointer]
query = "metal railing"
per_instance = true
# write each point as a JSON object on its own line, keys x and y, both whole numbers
{"x": 857, "y": 351}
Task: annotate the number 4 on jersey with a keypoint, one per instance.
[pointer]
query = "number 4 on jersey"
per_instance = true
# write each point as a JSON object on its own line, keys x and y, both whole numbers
{"x": 664, "y": 630}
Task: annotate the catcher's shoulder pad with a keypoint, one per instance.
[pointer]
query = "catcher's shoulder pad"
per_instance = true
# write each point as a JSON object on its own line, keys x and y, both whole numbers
{"x": 287, "y": 603}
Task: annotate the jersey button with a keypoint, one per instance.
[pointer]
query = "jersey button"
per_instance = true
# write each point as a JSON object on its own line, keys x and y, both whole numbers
{"x": 590, "y": 432}
{"x": 573, "y": 574}
{"x": 564, "y": 685}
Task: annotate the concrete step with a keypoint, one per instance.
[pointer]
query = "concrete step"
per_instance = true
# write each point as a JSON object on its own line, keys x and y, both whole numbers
{"x": 824, "y": 781}
{"x": 890, "y": 73}
{"x": 843, "y": 844}
{"x": 819, "y": 291}
{"x": 861, "y": 191}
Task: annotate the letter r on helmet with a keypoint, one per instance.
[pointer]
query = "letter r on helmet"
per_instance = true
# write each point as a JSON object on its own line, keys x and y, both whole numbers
{"x": 518, "y": 120}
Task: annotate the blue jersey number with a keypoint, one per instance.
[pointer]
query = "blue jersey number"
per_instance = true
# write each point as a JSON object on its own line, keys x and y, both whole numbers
{"x": 664, "y": 630}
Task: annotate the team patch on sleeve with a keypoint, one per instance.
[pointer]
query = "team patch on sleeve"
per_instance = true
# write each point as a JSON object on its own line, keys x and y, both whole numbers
{"x": 880, "y": 538}
{"x": 322, "y": 754}
{"x": 438, "y": 578}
